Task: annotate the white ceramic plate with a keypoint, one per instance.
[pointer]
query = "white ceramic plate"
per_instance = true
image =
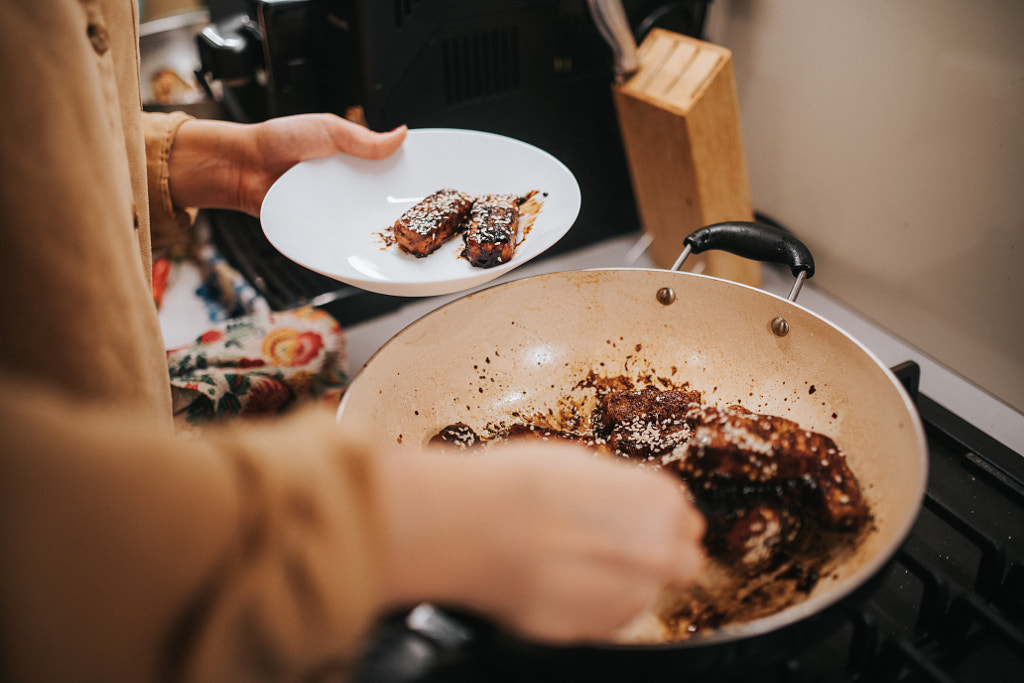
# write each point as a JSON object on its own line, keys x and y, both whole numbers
{"x": 329, "y": 214}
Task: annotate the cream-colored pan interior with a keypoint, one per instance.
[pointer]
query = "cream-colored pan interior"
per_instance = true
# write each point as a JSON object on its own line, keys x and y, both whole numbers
{"x": 522, "y": 345}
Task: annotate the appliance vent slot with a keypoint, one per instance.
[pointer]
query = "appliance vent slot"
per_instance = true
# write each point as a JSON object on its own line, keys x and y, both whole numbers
{"x": 480, "y": 65}
{"x": 404, "y": 8}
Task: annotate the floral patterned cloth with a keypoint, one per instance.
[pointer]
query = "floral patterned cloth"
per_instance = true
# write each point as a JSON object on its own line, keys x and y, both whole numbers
{"x": 258, "y": 364}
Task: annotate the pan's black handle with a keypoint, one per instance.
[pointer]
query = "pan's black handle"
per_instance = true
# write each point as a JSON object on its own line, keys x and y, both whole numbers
{"x": 751, "y": 240}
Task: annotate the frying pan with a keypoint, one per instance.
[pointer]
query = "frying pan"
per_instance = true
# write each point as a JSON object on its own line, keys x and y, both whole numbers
{"x": 521, "y": 347}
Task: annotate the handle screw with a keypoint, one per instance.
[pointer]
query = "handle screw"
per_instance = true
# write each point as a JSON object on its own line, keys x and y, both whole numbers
{"x": 666, "y": 296}
{"x": 780, "y": 326}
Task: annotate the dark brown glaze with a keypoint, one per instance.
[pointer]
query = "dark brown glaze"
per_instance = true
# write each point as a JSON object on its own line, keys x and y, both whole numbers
{"x": 736, "y": 447}
{"x": 432, "y": 221}
{"x": 647, "y": 422}
{"x": 458, "y": 435}
{"x": 492, "y": 230}
{"x": 782, "y": 505}
{"x": 753, "y": 532}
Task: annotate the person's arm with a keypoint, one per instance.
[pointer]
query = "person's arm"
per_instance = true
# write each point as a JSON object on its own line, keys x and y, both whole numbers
{"x": 265, "y": 551}
{"x": 224, "y": 165}
{"x": 129, "y": 554}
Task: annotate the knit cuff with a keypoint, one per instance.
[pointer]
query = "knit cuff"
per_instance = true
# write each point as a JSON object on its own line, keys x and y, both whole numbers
{"x": 167, "y": 221}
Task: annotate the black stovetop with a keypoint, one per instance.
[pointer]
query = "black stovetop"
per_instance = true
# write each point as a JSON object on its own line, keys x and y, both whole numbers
{"x": 948, "y": 607}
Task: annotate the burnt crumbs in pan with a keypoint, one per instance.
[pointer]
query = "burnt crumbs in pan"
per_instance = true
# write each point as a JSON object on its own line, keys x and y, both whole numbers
{"x": 492, "y": 225}
{"x": 781, "y": 503}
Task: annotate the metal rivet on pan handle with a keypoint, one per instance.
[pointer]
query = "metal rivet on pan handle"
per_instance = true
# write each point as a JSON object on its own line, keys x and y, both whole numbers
{"x": 754, "y": 241}
{"x": 780, "y": 326}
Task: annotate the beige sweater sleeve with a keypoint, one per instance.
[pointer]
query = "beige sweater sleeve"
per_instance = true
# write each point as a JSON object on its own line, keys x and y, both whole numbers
{"x": 168, "y": 223}
{"x": 127, "y": 554}
{"x": 247, "y": 554}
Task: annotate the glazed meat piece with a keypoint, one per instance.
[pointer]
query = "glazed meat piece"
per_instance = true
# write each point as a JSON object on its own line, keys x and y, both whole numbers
{"x": 647, "y": 422}
{"x": 737, "y": 446}
{"x": 756, "y": 474}
{"x": 716, "y": 449}
{"x": 460, "y": 435}
{"x": 780, "y": 502}
{"x": 432, "y": 221}
{"x": 492, "y": 230}
{"x": 753, "y": 531}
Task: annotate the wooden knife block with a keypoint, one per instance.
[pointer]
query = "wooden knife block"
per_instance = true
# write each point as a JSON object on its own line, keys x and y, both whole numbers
{"x": 679, "y": 119}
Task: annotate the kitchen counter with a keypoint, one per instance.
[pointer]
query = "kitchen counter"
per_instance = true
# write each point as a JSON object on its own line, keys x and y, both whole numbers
{"x": 955, "y": 393}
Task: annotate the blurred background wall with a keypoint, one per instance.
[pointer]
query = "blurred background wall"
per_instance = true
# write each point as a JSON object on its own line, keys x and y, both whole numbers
{"x": 890, "y": 137}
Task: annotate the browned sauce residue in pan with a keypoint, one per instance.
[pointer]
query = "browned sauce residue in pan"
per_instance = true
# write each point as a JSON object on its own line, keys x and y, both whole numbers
{"x": 783, "y": 508}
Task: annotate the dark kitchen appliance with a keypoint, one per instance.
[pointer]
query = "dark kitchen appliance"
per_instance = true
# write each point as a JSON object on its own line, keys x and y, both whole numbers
{"x": 535, "y": 70}
{"x": 948, "y": 607}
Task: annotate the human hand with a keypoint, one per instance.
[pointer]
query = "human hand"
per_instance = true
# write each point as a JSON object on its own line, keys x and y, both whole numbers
{"x": 554, "y": 542}
{"x": 219, "y": 164}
